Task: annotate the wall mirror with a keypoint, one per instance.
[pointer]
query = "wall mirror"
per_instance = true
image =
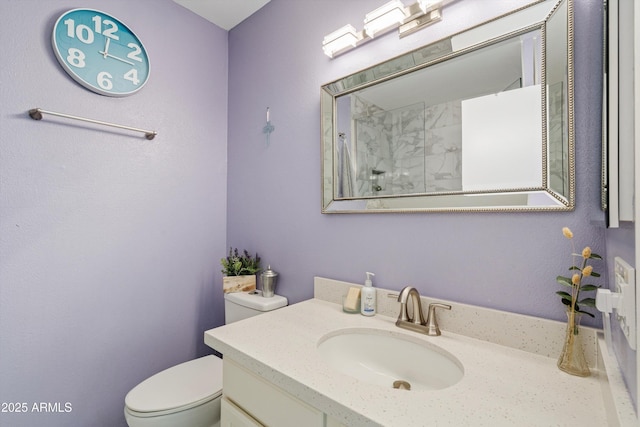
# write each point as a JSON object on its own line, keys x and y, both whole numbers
{"x": 479, "y": 121}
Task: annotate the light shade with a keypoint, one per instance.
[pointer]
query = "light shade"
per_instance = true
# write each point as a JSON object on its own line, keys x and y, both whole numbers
{"x": 386, "y": 16}
{"x": 427, "y": 5}
{"x": 345, "y": 37}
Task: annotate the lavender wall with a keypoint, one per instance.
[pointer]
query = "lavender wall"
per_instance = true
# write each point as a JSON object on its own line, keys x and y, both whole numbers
{"x": 498, "y": 260}
{"x": 109, "y": 243}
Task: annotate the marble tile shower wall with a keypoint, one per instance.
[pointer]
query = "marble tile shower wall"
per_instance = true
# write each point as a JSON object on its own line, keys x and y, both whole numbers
{"x": 409, "y": 150}
{"x": 558, "y": 151}
{"x": 444, "y": 147}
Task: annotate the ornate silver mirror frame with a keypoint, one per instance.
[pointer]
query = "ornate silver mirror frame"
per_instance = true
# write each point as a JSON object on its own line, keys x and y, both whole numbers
{"x": 358, "y": 179}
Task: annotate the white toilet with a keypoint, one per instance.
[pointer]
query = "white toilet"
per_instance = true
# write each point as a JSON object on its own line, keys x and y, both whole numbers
{"x": 188, "y": 395}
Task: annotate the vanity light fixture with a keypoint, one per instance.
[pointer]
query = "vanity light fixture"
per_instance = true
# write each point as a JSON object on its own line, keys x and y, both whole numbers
{"x": 387, "y": 16}
{"x": 341, "y": 39}
{"x": 430, "y": 17}
{"x": 391, "y": 15}
{"x": 428, "y": 5}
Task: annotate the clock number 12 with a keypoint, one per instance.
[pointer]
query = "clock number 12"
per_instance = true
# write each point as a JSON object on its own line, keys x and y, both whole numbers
{"x": 86, "y": 35}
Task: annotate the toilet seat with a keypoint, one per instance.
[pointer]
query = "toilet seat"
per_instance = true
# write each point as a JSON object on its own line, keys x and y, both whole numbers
{"x": 181, "y": 387}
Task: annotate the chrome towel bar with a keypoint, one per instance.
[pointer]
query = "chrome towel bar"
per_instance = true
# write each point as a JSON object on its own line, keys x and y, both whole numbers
{"x": 36, "y": 114}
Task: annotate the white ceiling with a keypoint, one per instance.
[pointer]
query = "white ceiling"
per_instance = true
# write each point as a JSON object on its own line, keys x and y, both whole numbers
{"x": 224, "y": 13}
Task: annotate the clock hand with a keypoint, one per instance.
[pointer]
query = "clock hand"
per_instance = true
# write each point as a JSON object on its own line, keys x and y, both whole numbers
{"x": 108, "y": 55}
{"x": 106, "y": 47}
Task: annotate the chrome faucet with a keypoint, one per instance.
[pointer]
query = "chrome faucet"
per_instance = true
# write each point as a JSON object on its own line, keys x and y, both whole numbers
{"x": 416, "y": 322}
{"x": 416, "y": 318}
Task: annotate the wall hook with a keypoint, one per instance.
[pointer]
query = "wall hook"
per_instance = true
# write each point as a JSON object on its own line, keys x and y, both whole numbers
{"x": 268, "y": 128}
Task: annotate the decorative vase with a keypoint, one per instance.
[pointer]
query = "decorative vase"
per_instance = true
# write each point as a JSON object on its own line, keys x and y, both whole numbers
{"x": 572, "y": 359}
{"x": 239, "y": 283}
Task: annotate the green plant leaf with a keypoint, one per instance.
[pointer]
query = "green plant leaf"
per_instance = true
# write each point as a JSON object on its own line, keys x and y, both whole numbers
{"x": 595, "y": 256}
{"x": 564, "y": 294}
{"x": 236, "y": 264}
{"x": 589, "y": 302}
{"x": 594, "y": 274}
{"x": 574, "y": 267}
{"x": 584, "y": 312}
{"x": 587, "y": 288}
{"x": 564, "y": 280}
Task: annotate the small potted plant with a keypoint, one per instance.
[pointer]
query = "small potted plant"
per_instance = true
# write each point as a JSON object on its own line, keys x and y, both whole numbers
{"x": 239, "y": 271}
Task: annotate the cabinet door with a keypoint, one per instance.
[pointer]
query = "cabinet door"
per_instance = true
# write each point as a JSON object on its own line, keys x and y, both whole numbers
{"x": 264, "y": 401}
{"x": 332, "y": 422}
{"x": 232, "y": 416}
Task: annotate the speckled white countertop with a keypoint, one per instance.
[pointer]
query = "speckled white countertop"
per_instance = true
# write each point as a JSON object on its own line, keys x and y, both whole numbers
{"x": 502, "y": 386}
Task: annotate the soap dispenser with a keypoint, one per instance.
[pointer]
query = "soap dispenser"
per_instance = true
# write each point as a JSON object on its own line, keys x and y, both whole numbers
{"x": 368, "y": 297}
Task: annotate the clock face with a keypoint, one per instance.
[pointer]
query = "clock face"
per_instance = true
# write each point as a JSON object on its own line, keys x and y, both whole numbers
{"x": 100, "y": 52}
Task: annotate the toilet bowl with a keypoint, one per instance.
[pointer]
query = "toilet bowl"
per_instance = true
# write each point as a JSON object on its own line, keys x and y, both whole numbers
{"x": 189, "y": 394}
{"x": 183, "y": 395}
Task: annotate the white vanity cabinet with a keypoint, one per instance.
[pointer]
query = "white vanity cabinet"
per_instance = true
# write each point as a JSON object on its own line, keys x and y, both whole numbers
{"x": 250, "y": 401}
{"x": 232, "y": 416}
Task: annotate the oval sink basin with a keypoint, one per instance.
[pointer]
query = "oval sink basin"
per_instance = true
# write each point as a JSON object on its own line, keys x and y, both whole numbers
{"x": 390, "y": 359}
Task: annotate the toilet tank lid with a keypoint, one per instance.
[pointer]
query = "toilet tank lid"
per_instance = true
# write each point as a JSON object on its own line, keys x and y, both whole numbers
{"x": 179, "y": 386}
{"x": 256, "y": 301}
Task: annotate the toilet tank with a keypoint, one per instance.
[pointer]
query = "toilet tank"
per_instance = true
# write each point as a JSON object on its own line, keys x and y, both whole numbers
{"x": 241, "y": 305}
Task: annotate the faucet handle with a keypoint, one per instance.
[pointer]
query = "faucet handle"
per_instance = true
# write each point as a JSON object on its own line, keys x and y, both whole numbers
{"x": 432, "y": 322}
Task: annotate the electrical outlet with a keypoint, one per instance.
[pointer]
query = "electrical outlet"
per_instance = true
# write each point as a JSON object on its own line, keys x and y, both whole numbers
{"x": 626, "y": 312}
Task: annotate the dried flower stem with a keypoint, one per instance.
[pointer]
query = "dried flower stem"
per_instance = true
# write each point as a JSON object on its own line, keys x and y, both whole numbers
{"x": 572, "y": 359}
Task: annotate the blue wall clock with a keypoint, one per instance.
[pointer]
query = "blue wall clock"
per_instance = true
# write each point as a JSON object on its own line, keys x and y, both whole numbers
{"x": 100, "y": 52}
